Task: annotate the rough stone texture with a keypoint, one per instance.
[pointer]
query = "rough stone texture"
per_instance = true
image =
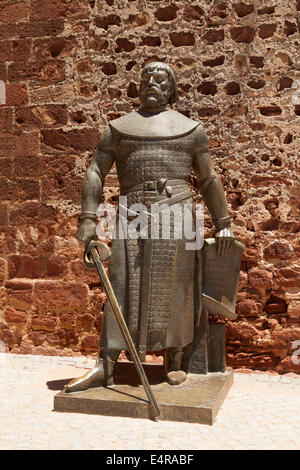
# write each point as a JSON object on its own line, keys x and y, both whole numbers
{"x": 70, "y": 67}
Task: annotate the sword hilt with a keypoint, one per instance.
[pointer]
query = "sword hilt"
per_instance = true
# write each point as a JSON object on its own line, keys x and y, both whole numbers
{"x": 103, "y": 251}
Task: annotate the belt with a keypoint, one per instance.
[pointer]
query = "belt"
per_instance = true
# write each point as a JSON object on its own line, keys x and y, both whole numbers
{"x": 153, "y": 186}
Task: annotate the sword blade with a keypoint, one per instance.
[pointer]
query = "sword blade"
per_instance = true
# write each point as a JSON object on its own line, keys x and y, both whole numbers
{"x": 123, "y": 327}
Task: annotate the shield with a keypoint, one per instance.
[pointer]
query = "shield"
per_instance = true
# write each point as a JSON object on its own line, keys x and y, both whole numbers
{"x": 220, "y": 278}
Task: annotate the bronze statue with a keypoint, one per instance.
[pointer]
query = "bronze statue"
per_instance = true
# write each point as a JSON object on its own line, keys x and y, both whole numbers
{"x": 156, "y": 281}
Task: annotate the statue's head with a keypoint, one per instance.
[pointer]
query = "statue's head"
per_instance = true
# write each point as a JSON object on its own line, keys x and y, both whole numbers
{"x": 158, "y": 86}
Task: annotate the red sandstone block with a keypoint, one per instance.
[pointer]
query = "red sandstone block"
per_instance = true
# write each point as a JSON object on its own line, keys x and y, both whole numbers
{"x": 6, "y": 165}
{"x": 57, "y": 266}
{"x": 43, "y": 323}
{"x": 62, "y": 188}
{"x": 279, "y": 250}
{"x": 242, "y": 330}
{"x": 192, "y": 13}
{"x": 213, "y": 35}
{"x": 85, "y": 322}
{"x": 45, "y": 9}
{"x": 58, "y": 166}
{"x": 286, "y": 334}
{"x": 6, "y": 115}
{"x": 77, "y": 139}
{"x": 293, "y": 309}
{"x": 13, "y": 12}
{"x": 56, "y": 339}
{"x": 27, "y": 266}
{"x": 242, "y": 33}
{"x": 267, "y": 30}
{"x": 19, "y": 293}
{"x": 90, "y": 342}
{"x": 27, "y": 166}
{"x": 254, "y": 361}
{"x": 106, "y": 21}
{"x": 3, "y": 265}
{"x": 37, "y": 337}
{"x": 5, "y": 51}
{"x": 59, "y": 294}
{"x": 15, "y": 51}
{"x": 7, "y": 237}
{"x": 251, "y": 254}
{"x": 47, "y": 73}
{"x": 62, "y": 338}
{"x": 97, "y": 301}
{"x": 35, "y": 246}
{"x": 41, "y": 116}
{"x": 242, "y": 9}
{"x": 84, "y": 66}
{"x": 260, "y": 278}
{"x": 54, "y": 47}
{"x": 34, "y": 267}
{"x": 67, "y": 321}
{"x": 33, "y": 213}
{"x": 41, "y": 28}
{"x": 3, "y": 215}
{"x": 3, "y": 72}
{"x": 10, "y": 337}
{"x": 10, "y": 190}
{"x": 19, "y": 144}
{"x": 288, "y": 276}
{"x": 168, "y": 13}
{"x": 135, "y": 21}
{"x": 247, "y": 308}
{"x": 182, "y": 38}
{"x": 8, "y": 31}
{"x": 289, "y": 364}
{"x": 12, "y": 315}
{"x": 80, "y": 273}
{"x": 16, "y": 94}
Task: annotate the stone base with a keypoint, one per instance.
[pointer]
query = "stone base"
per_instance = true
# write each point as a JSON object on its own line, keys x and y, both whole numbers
{"x": 197, "y": 400}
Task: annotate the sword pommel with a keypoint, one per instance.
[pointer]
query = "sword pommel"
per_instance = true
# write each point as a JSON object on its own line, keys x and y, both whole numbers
{"x": 103, "y": 251}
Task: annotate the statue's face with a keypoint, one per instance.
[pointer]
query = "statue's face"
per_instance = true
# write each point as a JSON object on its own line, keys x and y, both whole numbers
{"x": 155, "y": 88}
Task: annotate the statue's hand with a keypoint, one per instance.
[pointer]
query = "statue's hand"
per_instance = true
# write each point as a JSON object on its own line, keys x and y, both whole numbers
{"x": 86, "y": 231}
{"x": 224, "y": 240}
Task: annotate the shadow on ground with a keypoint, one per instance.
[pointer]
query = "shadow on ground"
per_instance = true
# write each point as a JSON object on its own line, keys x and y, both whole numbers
{"x": 125, "y": 374}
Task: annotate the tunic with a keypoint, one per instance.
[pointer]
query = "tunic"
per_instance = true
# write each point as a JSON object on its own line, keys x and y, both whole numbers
{"x": 164, "y": 283}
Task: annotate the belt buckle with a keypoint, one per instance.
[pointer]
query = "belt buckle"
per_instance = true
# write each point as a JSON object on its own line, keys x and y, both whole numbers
{"x": 150, "y": 186}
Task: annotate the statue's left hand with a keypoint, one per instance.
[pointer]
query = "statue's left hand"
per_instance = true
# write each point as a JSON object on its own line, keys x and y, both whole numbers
{"x": 224, "y": 240}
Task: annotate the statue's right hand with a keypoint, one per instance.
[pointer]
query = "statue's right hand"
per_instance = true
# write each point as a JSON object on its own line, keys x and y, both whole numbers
{"x": 86, "y": 231}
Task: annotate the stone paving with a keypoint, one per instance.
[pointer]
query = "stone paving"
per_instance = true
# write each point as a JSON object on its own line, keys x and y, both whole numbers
{"x": 260, "y": 412}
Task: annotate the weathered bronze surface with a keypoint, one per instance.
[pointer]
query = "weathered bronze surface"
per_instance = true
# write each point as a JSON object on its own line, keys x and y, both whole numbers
{"x": 197, "y": 400}
{"x": 95, "y": 258}
{"x": 164, "y": 291}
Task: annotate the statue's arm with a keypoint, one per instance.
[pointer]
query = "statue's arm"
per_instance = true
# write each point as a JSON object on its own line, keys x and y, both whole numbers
{"x": 212, "y": 192}
{"x": 92, "y": 190}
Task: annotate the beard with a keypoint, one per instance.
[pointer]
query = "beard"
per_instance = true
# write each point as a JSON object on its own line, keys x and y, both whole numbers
{"x": 153, "y": 97}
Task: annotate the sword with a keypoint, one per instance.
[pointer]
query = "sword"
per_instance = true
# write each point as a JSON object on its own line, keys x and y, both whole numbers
{"x": 92, "y": 251}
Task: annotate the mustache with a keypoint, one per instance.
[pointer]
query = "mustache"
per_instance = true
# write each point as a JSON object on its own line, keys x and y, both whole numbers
{"x": 150, "y": 90}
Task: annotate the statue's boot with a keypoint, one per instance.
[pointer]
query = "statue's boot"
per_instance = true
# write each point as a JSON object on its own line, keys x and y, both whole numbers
{"x": 175, "y": 375}
{"x": 100, "y": 376}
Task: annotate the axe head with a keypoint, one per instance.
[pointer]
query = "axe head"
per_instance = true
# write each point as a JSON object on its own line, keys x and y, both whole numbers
{"x": 220, "y": 278}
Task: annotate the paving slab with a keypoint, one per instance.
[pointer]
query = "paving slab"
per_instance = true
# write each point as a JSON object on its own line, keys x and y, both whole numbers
{"x": 255, "y": 414}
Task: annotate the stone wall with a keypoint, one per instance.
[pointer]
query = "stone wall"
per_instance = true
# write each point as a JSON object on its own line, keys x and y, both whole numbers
{"x": 66, "y": 69}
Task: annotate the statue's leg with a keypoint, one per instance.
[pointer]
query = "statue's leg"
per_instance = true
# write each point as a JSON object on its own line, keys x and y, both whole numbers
{"x": 100, "y": 376}
{"x": 174, "y": 372}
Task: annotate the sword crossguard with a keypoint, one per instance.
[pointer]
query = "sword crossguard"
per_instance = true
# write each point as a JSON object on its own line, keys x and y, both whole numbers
{"x": 103, "y": 251}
